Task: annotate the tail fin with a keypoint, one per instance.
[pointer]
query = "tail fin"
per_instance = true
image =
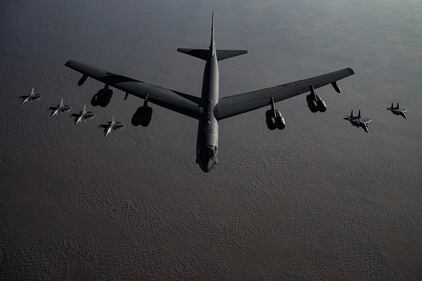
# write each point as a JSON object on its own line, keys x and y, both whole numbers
{"x": 397, "y": 105}
{"x": 61, "y": 101}
{"x": 359, "y": 114}
{"x": 392, "y": 105}
{"x": 112, "y": 118}
{"x": 212, "y": 42}
{"x": 84, "y": 109}
{"x": 351, "y": 114}
{"x": 205, "y": 53}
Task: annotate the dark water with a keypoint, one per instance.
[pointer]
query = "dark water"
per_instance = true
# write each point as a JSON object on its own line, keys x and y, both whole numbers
{"x": 318, "y": 201}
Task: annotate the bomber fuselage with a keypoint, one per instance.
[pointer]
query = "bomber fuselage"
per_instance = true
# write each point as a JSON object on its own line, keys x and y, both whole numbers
{"x": 207, "y": 138}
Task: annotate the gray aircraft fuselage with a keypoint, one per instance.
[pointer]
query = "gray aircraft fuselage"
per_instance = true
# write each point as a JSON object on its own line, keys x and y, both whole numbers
{"x": 207, "y": 138}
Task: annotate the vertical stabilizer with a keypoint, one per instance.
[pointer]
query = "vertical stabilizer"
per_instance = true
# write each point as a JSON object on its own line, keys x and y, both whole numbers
{"x": 397, "y": 105}
{"x": 61, "y": 101}
{"x": 359, "y": 114}
{"x": 351, "y": 114}
{"x": 212, "y": 43}
{"x": 84, "y": 109}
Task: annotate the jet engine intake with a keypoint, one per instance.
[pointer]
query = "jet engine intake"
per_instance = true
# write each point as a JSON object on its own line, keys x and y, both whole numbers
{"x": 102, "y": 97}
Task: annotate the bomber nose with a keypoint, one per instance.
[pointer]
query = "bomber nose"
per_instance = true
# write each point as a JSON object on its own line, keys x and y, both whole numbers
{"x": 206, "y": 166}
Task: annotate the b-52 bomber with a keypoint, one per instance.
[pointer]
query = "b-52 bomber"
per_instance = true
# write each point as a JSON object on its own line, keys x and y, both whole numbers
{"x": 83, "y": 115}
{"x": 60, "y": 108}
{"x": 210, "y": 108}
{"x": 358, "y": 121}
{"x": 111, "y": 126}
{"x": 396, "y": 110}
{"x": 32, "y": 96}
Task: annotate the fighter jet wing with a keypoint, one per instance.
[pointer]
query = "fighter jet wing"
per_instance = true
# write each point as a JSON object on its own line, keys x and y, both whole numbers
{"x": 241, "y": 103}
{"x": 118, "y": 126}
{"x": 170, "y": 99}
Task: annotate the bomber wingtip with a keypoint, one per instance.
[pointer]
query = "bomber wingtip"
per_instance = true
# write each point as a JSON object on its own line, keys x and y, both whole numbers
{"x": 69, "y": 62}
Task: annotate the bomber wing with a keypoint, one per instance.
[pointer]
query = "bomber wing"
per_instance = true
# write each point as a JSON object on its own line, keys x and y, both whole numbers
{"x": 170, "y": 99}
{"x": 241, "y": 103}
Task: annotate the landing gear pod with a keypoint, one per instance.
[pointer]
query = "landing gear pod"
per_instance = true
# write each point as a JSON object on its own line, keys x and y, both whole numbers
{"x": 336, "y": 87}
{"x": 82, "y": 80}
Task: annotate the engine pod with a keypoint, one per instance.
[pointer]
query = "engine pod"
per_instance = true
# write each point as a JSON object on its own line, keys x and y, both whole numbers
{"x": 312, "y": 104}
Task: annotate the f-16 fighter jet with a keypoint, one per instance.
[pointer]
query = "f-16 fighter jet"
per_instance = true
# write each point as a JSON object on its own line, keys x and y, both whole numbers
{"x": 83, "y": 115}
{"x": 397, "y": 110}
{"x": 209, "y": 109}
{"x": 111, "y": 126}
{"x": 32, "y": 96}
{"x": 358, "y": 121}
{"x": 60, "y": 108}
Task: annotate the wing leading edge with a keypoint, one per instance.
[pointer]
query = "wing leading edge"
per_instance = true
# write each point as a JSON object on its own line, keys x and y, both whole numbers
{"x": 242, "y": 103}
{"x": 170, "y": 99}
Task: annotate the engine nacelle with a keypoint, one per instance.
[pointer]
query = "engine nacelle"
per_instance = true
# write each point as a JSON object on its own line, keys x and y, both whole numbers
{"x": 312, "y": 104}
{"x": 274, "y": 120}
{"x": 102, "y": 97}
{"x": 143, "y": 115}
{"x": 315, "y": 102}
{"x": 322, "y": 107}
{"x": 270, "y": 119}
{"x": 280, "y": 122}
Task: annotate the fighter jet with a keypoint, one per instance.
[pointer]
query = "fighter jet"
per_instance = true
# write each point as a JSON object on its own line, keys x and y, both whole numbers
{"x": 396, "y": 110}
{"x": 358, "y": 121}
{"x": 209, "y": 109}
{"x": 30, "y": 97}
{"x": 83, "y": 115}
{"x": 111, "y": 126}
{"x": 60, "y": 108}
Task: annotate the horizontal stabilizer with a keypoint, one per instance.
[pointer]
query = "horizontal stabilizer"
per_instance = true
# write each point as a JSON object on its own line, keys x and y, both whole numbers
{"x": 203, "y": 53}
{"x": 226, "y": 54}
{"x": 197, "y": 53}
